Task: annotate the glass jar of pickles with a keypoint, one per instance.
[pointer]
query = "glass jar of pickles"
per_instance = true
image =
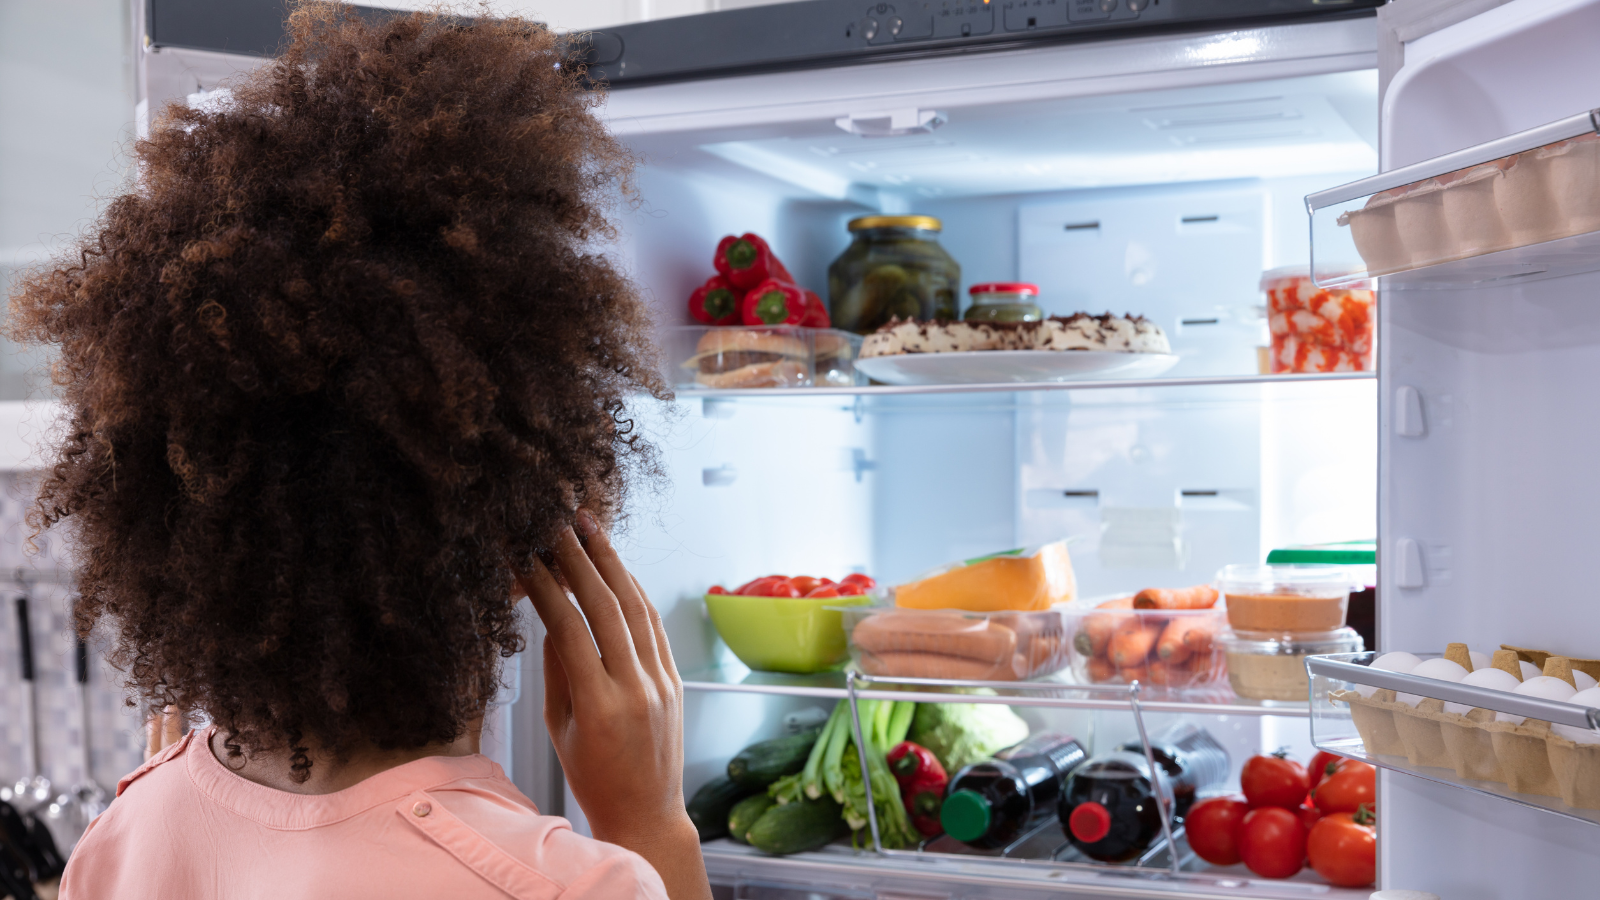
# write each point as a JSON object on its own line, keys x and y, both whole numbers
{"x": 1004, "y": 301}
{"x": 894, "y": 266}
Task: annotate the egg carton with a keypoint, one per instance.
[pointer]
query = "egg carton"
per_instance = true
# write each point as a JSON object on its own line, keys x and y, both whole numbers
{"x": 1526, "y": 754}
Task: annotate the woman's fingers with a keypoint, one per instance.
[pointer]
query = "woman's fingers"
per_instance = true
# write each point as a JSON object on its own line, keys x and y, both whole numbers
{"x": 557, "y": 690}
{"x": 635, "y": 607}
{"x": 567, "y": 631}
{"x": 600, "y": 605}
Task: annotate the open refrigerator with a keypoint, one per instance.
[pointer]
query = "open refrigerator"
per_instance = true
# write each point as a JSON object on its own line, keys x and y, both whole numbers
{"x": 1143, "y": 157}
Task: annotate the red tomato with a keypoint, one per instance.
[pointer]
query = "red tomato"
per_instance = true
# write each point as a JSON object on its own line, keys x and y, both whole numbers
{"x": 805, "y": 583}
{"x": 1213, "y": 828}
{"x": 782, "y": 587}
{"x": 1274, "y": 780}
{"x": 824, "y": 590}
{"x": 1308, "y": 814}
{"x": 716, "y": 589}
{"x": 754, "y": 587}
{"x": 1351, "y": 784}
{"x": 1343, "y": 848}
{"x": 858, "y": 581}
{"x": 1318, "y": 769}
{"x": 1272, "y": 842}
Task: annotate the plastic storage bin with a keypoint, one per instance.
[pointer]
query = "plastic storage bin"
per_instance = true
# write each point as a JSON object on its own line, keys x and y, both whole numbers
{"x": 957, "y": 644}
{"x": 741, "y": 358}
{"x": 783, "y": 634}
{"x": 1273, "y": 666}
{"x": 1286, "y": 599}
{"x": 1166, "y": 648}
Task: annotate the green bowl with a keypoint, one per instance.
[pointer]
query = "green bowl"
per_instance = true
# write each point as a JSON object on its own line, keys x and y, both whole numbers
{"x": 783, "y": 634}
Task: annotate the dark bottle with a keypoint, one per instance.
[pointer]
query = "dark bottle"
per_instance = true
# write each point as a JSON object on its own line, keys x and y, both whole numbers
{"x": 1110, "y": 809}
{"x": 1190, "y": 756}
{"x": 990, "y": 804}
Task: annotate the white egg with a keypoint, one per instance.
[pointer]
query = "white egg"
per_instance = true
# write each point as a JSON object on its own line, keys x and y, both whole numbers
{"x": 1584, "y": 680}
{"x": 1439, "y": 669}
{"x": 1589, "y": 697}
{"x": 1480, "y": 660}
{"x": 1545, "y": 688}
{"x": 1529, "y": 670}
{"x": 1493, "y": 679}
{"x": 1393, "y": 661}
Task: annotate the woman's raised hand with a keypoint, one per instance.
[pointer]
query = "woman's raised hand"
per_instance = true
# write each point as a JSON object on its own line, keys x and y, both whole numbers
{"x": 614, "y": 706}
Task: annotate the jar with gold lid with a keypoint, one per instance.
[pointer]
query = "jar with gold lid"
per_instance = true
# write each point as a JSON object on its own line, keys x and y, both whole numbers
{"x": 894, "y": 266}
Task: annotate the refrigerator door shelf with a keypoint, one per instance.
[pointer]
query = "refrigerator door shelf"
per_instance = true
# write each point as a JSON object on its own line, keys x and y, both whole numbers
{"x": 1536, "y": 763}
{"x": 1014, "y": 387}
{"x": 1521, "y": 208}
{"x": 1218, "y": 701}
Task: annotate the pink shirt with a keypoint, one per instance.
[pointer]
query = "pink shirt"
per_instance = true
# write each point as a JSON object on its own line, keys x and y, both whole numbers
{"x": 184, "y": 827}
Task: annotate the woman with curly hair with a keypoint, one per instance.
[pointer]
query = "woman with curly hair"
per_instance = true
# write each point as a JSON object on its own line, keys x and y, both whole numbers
{"x": 344, "y": 380}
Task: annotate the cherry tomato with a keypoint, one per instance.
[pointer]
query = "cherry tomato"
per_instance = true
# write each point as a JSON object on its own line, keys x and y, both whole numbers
{"x": 1318, "y": 769}
{"x": 805, "y": 584}
{"x": 859, "y": 582}
{"x": 716, "y": 589}
{"x": 824, "y": 590}
{"x": 1213, "y": 828}
{"x": 1272, "y": 842}
{"x": 1274, "y": 780}
{"x": 1351, "y": 784}
{"x": 755, "y": 587}
{"x": 1308, "y": 814}
{"x": 782, "y": 587}
{"x": 1343, "y": 848}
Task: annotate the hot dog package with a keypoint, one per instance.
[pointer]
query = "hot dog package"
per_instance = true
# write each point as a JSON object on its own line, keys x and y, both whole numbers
{"x": 1111, "y": 642}
{"x": 957, "y": 644}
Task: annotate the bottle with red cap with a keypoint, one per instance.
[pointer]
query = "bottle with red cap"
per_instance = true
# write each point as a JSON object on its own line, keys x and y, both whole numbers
{"x": 992, "y": 803}
{"x": 1004, "y": 301}
{"x": 1109, "y": 808}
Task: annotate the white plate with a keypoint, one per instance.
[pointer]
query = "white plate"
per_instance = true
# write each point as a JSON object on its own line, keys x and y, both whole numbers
{"x": 1016, "y": 366}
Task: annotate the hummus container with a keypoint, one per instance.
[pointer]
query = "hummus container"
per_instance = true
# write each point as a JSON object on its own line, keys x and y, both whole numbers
{"x": 1267, "y": 666}
{"x": 956, "y": 644}
{"x": 1286, "y": 599}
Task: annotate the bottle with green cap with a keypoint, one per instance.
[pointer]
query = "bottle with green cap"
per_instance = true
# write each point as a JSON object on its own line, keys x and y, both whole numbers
{"x": 992, "y": 803}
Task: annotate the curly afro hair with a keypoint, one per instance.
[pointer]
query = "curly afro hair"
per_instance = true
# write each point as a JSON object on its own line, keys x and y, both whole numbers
{"x": 341, "y": 359}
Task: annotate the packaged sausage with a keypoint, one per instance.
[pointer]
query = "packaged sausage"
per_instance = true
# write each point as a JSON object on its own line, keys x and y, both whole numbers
{"x": 957, "y": 644}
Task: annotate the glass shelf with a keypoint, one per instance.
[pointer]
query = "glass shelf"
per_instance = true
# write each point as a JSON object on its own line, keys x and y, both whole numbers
{"x": 1522, "y": 208}
{"x": 1062, "y": 694}
{"x": 881, "y": 390}
{"x": 1354, "y": 713}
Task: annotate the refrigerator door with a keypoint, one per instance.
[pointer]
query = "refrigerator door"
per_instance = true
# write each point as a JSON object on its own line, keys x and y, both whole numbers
{"x": 1486, "y": 501}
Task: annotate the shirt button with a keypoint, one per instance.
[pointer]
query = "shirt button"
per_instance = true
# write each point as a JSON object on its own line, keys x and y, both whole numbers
{"x": 422, "y": 808}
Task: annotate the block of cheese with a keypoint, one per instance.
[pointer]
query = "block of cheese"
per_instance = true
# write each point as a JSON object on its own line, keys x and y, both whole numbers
{"x": 1020, "y": 580}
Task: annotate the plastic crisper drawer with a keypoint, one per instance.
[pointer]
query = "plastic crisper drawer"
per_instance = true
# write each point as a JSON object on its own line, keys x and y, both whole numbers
{"x": 1537, "y": 752}
{"x": 1522, "y": 207}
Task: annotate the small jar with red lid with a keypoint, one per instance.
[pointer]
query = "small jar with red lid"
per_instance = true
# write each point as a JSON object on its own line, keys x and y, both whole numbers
{"x": 1004, "y": 301}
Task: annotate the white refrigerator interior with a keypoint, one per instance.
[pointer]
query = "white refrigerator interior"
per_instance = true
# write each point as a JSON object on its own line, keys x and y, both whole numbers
{"x": 1497, "y": 494}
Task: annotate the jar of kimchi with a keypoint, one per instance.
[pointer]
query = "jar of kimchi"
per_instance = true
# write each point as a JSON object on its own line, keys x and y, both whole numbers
{"x": 1317, "y": 329}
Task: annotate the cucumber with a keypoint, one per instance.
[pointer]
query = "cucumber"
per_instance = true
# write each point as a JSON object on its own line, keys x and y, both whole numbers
{"x": 759, "y": 765}
{"x": 745, "y": 813}
{"x": 709, "y": 807}
{"x": 794, "y": 827}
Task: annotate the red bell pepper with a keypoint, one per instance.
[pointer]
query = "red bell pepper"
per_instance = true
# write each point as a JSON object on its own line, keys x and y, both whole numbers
{"x": 816, "y": 312}
{"x": 716, "y": 302}
{"x": 922, "y": 784}
{"x": 747, "y": 261}
{"x": 774, "y": 302}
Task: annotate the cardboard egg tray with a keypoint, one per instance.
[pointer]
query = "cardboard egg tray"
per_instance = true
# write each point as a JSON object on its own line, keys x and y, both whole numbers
{"x": 1528, "y": 758}
{"x": 1542, "y": 194}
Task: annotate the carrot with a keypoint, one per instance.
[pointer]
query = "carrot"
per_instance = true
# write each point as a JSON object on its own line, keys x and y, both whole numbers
{"x": 1092, "y": 638}
{"x": 1118, "y": 603}
{"x": 1159, "y": 673}
{"x": 1100, "y": 670}
{"x": 1137, "y": 673}
{"x": 1201, "y": 596}
{"x": 1132, "y": 642}
{"x": 1186, "y": 636}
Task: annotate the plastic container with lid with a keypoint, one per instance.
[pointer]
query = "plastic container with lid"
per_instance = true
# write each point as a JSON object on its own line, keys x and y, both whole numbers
{"x": 1360, "y": 559}
{"x": 1317, "y": 329}
{"x": 1161, "y": 647}
{"x": 893, "y": 267}
{"x": 1285, "y": 599}
{"x": 1004, "y": 301}
{"x": 1272, "y": 666}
